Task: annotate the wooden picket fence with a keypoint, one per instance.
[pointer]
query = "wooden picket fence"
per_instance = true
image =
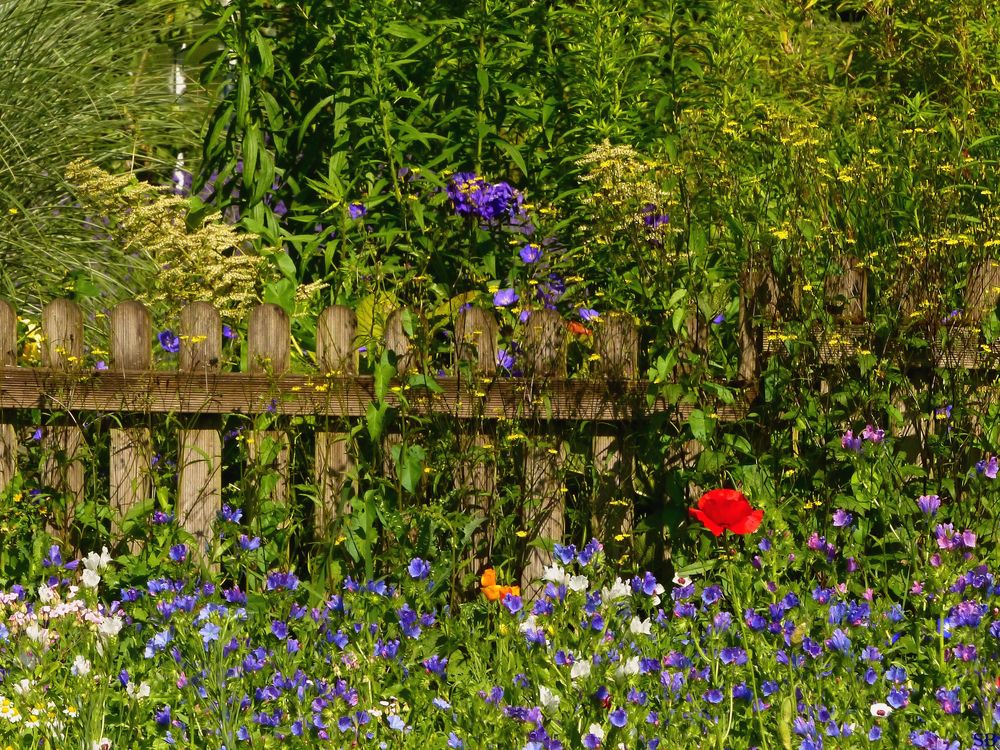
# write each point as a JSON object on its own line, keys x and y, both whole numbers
{"x": 543, "y": 400}
{"x": 474, "y": 391}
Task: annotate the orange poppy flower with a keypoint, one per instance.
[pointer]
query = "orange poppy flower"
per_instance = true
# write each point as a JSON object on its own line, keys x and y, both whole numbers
{"x": 494, "y": 592}
{"x": 578, "y": 328}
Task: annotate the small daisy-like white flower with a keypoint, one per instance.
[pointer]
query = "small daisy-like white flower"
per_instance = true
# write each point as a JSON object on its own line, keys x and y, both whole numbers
{"x": 578, "y": 583}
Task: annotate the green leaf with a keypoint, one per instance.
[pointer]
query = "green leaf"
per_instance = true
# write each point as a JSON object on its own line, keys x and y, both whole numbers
{"x": 513, "y": 152}
{"x": 701, "y": 425}
{"x": 286, "y": 265}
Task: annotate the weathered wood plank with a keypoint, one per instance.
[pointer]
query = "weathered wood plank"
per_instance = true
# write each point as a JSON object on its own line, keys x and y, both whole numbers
{"x": 131, "y": 447}
{"x": 199, "y": 481}
{"x": 337, "y": 355}
{"x": 62, "y": 327}
{"x": 475, "y": 475}
{"x": 337, "y": 396}
{"x": 269, "y": 353}
{"x": 616, "y": 342}
{"x": 544, "y": 502}
{"x": 8, "y": 358}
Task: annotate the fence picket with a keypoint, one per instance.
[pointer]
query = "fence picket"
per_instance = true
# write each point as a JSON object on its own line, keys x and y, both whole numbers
{"x": 544, "y": 501}
{"x": 131, "y": 448}
{"x": 62, "y": 328}
{"x": 616, "y": 342}
{"x": 199, "y": 482}
{"x": 269, "y": 351}
{"x": 397, "y": 342}
{"x": 335, "y": 354}
{"x": 475, "y": 477}
{"x": 8, "y": 358}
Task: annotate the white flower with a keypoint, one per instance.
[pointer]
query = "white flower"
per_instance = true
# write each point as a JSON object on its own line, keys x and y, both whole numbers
{"x": 81, "y": 667}
{"x": 46, "y": 595}
{"x": 110, "y": 626}
{"x": 102, "y": 744}
{"x": 37, "y": 633}
{"x": 640, "y": 627}
{"x": 580, "y": 669}
{"x": 881, "y": 710}
{"x": 595, "y": 729}
{"x": 530, "y": 623}
{"x": 554, "y": 574}
{"x": 656, "y": 593}
{"x": 23, "y": 687}
{"x": 91, "y": 578}
{"x": 629, "y": 667}
{"x": 618, "y": 590}
{"x": 548, "y": 699}
{"x": 142, "y": 691}
{"x": 578, "y": 583}
{"x": 96, "y": 562}
{"x": 682, "y": 580}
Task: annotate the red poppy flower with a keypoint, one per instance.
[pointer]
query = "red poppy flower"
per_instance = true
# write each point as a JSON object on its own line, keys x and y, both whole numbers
{"x": 727, "y": 509}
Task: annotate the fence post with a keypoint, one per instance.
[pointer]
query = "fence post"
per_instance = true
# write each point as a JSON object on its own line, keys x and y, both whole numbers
{"x": 62, "y": 327}
{"x": 8, "y": 358}
{"x": 199, "y": 482}
{"x": 476, "y": 350}
{"x": 335, "y": 354}
{"x": 616, "y": 342}
{"x": 268, "y": 351}
{"x": 544, "y": 501}
{"x": 131, "y": 447}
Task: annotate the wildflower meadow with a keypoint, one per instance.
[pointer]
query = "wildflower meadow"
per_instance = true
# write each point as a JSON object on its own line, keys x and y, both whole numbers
{"x": 534, "y": 376}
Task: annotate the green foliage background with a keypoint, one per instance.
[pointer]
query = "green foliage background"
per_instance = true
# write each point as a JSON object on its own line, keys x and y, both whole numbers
{"x": 791, "y": 140}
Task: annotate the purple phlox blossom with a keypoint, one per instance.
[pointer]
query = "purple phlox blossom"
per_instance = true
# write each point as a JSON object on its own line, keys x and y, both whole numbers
{"x": 227, "y": 333}
{"x": 719, "y": 319}
{"x": 873, "y": 434}
{"x": 357, "y": 209}
{"x": 850, "y": 443}
{"x": 948, "y": 700}
{"x": 929, "y": 504}
{"x": 842, "y": 518}
{"x": 989, "y": 466}
{"x": 248, "y": 544}
{"x": 588, "y": 313}
{"x": 101, "y": 366}
{"x": 178, "y": 553}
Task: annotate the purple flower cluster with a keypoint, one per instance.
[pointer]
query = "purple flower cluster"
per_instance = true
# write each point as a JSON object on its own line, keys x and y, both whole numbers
{"x": 490, "y": 203}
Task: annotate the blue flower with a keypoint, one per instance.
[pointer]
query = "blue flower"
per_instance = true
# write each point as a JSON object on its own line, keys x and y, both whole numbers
{"x": 436, "y": 665}
{"x": 588, "y": 313}
{"x": 232, "y": 515}
{"x": 169, "y": 342}
{"x": 505, "y": 298}
{"x": 418, "y": 569}
{"x": 530, "y": 253}
{"x": 505, "y": 360}
{"x": 210, "y": 632}
{"x": 357, "y": 210}
{"x": 178, "y": 553}
{"x": 227, "y": 333}
{"x": 618, "y": 718}
{"x": 455, "y": 742}
{"x": 247, "y": 544}
{"x": 512, "y": 602}
{"x": 279, "y": 629}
